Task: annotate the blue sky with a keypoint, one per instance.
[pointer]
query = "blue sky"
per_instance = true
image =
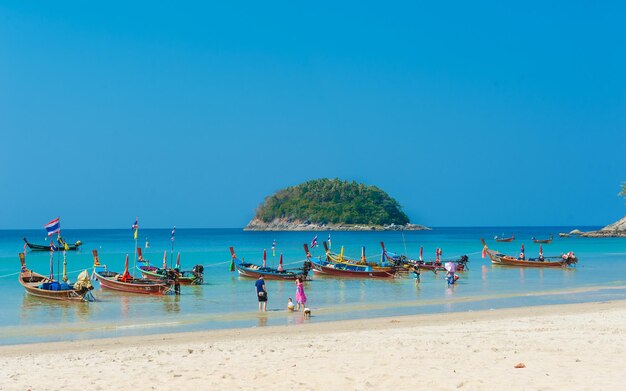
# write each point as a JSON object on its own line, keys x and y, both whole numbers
{"x": 188, "y": 114}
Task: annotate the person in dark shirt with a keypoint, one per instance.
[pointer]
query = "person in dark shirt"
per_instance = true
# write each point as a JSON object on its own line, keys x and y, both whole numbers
{"x": 261, "y": 293}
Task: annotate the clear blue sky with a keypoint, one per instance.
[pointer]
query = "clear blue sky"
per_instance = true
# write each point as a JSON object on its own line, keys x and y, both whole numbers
{"x": 468, "y": 113}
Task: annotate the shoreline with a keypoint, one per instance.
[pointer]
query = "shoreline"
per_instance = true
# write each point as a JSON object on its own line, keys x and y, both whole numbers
{"x": 328, "y": 326}
{"x": 278, "y": 225}
{"x": 461, "y": 350}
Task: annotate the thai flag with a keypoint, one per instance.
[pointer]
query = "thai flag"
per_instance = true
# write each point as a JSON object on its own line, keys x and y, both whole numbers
{"x": 314, "y": 242}
{"x": 135, "y": 224}
{"x": 173, "y": 235}
{"x": 53, "y": 248}
{"x": 53, "y": 227}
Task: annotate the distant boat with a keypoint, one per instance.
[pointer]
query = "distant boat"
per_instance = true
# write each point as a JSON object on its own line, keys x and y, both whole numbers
{"x": 125, "y": 282}
{"x": 564, "y": 235}
{"x": 546, "y": 241}
{"x": 497, "y": 258}
{"x": 503, "y": 239}
{"x": 246, "y": 269}
{"x": 39, "y": 285}
{"x": 46, "y": 247}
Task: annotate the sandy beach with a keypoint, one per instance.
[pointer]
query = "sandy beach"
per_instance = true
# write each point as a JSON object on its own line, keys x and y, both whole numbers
{"x": 573, "y": 347}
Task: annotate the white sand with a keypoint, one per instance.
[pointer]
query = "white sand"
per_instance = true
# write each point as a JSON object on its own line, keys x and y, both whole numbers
{"x": 567, "y": 347}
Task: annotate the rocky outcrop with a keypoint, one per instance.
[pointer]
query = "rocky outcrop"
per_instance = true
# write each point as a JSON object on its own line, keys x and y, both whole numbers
{"x": 299, "y": 225}
{"x": 617, "y": 229}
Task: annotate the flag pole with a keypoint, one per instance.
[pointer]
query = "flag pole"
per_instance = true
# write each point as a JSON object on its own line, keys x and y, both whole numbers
{"x": 58, "y": 260}
{"x": 135, "y": 252}
{"x": 51, "y": 262}
{"x": 64, "y": 265}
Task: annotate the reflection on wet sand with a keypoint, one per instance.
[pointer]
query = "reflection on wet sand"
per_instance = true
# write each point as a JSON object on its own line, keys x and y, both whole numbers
{"x": 262, "y": 320}
{"x": 172, "y": 303}
{"x": 34, "y": 308}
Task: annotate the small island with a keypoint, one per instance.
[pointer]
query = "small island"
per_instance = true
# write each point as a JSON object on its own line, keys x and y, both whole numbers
{"x": 615, "y": 230}
{"x": 330, "y": 204}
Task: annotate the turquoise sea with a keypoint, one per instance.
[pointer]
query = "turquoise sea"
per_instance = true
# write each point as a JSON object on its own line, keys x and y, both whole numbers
{"x": 227, "y": 300}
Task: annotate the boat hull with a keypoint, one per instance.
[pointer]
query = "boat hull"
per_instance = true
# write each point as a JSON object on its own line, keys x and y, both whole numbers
{"x": 139, "y": 286}
{"x": 31, "y": 280}
{"x": 506, "y": 260}
{"x": 39, "y": 247}
{"x": 192, "y": 280}
{"x": 342, "y": 270}
{"x": 251, "y": 273}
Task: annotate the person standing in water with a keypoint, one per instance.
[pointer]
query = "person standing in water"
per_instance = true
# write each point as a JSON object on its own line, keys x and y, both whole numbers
{"x": 261, "y": 293}
{"x": 300, "y": 296}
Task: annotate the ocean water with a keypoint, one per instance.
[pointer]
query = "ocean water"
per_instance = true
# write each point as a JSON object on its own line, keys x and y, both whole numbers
{"x": 227, "y": 300}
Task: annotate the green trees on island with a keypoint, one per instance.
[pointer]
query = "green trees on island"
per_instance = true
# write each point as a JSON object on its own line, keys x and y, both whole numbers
{"x": 332, "y": 201}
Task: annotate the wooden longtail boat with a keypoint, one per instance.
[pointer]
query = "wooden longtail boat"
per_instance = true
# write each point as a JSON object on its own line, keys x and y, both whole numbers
{"x": 185, "y": 277}
{"x": 46, "y": 247}
{"x": 125, "y": 282}
{"x": 39, "y": 285}
{"x": 545, "y": 241}
{"x": 505, "y": 240}
{"x": 246, "y": 269}
{"x": 337, "y": 265}
{"x": 436, "y": 265}
{"x": 497, "y": 258}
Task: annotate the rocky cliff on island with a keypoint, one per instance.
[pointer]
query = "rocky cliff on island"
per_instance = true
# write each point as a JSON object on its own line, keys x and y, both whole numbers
{"x": 617, "y": 229}
{"x": 325, "y": 204}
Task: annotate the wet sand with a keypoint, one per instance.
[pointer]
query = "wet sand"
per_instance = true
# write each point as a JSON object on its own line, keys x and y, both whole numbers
{"x": 573, "y": 347}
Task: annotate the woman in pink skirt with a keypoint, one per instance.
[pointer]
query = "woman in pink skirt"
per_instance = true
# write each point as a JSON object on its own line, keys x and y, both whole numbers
{"x": 300, "y": 296}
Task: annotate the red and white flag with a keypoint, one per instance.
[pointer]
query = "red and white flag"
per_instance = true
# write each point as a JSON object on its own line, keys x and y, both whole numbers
{"x": 314, "y": 242}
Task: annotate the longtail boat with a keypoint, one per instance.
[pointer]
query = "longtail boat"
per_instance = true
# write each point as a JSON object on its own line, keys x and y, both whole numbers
{"x": 544, "y": 241}
{"x": 46, "y": 247}
{"x": 340, "y": 266}
{"x": 503, "y": 239}
{"x": 436, "y": 265}
{"x": 39, "y": 285}
{"x": 125, "y": 282}
{"x": 185, "y": 277}
{"x": 246, "y": 269}
{"x": 497, "y": 258}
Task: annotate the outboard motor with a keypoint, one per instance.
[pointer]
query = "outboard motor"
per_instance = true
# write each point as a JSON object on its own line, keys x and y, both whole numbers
{"x": 462, "y": 262}
{"x": 306, "y": 268}
{"x": 198, "y": 272}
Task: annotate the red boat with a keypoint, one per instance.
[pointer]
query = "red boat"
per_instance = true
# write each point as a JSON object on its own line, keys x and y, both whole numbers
{"x": 505, "y": 240}
{"x": 497, "y": 258}
{"x": 125, "y": 282}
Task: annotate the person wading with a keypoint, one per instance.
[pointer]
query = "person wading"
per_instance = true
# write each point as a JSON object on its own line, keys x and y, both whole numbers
{"x": 261, "y": 293}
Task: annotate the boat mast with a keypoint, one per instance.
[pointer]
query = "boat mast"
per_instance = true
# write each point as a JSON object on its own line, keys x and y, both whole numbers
{"x": 135, "y": 235}
{"x": 172, "y": 250}
{"x": 58, "y": 259}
